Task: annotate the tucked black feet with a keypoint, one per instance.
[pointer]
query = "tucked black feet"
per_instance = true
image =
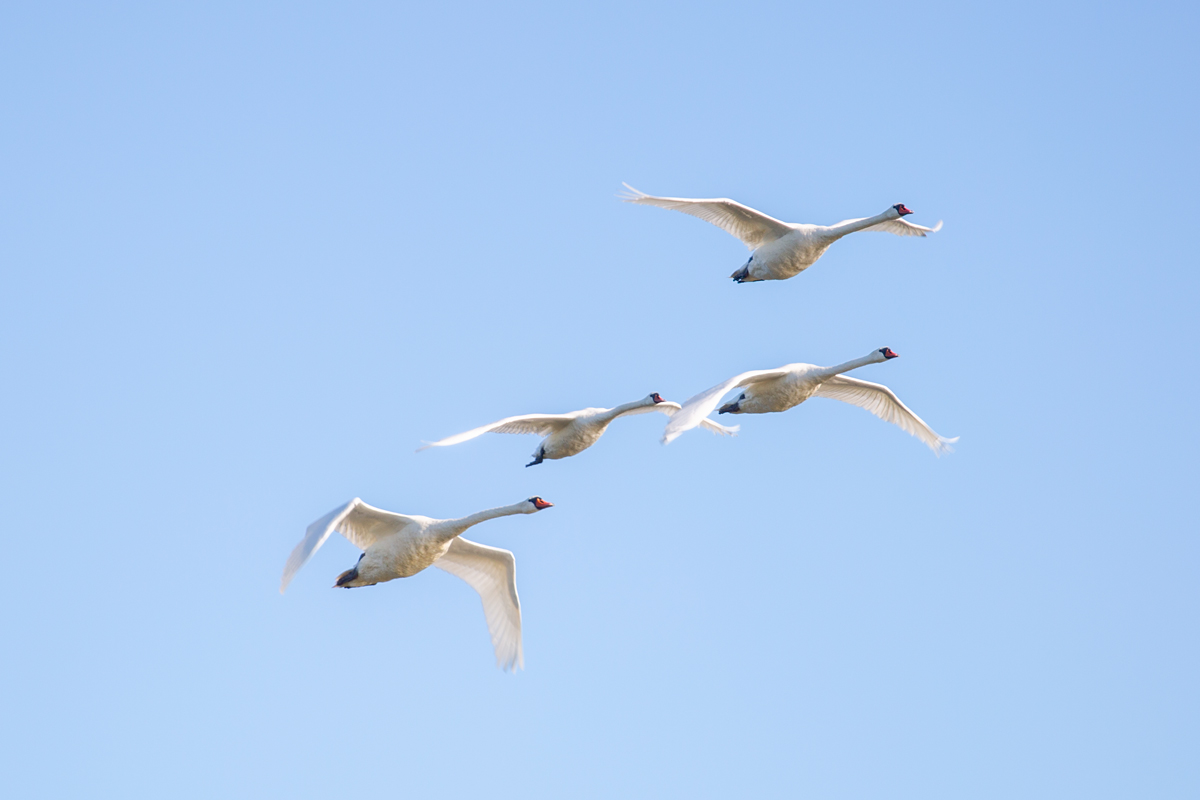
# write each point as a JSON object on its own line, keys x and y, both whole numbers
{"x": 730, "y": 408}
{"x": 741, "y": 275}
{"x": 347, "y": 576}
{"x": 536, "y": 461}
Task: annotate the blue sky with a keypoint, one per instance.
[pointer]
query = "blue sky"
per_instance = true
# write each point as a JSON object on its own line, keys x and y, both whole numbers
{"x": 254, "y": 255}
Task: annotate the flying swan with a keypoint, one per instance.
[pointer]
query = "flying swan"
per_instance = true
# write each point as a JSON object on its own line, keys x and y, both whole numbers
{"x": 572, "y": 433}
{"x": 399, "y": 546}
{"x": 768, "y": 390}
{"x": 781, "y": 250}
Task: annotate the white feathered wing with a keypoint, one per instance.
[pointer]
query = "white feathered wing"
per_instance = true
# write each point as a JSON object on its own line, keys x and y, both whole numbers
{"x": 883, "y": 403}
{"x": 493, "y": 573}
{"x": 361, "y": 524}
{"x": 753, "y": 227}
{"x": 697, "y": 408}
{"x": 671, "y": 408}
{"x": 540, "y": 424}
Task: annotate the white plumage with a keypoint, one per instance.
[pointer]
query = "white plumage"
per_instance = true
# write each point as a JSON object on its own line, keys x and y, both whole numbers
{"x": 572, "y": 433}
{"x": 399, "y": 546}
{"x": 781, "y": 249}
{"x": 772, "y": 390}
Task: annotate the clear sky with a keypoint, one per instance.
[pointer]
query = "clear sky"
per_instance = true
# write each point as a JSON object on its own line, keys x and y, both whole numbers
{"x": 253, "y": 254}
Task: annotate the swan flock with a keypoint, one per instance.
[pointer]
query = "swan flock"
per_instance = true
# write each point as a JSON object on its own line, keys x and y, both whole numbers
{"x": 400, "y": 546}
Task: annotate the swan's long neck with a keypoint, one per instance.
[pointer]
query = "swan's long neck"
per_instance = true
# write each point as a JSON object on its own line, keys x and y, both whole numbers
{"x": 462, "y": 523}
{"x": 613, "y": 413}
{"x": 874, "y": 357}
{"x": 838, "y": 231}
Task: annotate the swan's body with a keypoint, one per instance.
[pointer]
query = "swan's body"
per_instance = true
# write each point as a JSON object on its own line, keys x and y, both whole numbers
{"x": 572, "y": 433}
{"x": 399, "y": 546}
{"x": 770, "y": 390}
{"x": 781, "y": 249}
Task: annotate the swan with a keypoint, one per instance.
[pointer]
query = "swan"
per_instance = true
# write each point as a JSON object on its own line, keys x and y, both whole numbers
{"x": 572, "y": 433}
{"x": 781, "y": 250}
{"x": 779, "y": 389}
{"x": 399, "y": 546}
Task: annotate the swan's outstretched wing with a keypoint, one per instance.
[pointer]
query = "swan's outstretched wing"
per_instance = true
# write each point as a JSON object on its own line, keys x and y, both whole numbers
{"x": 883, "y": 403}
{"x": 493, "y": 573}
{"x": 752, "y": 227}
{"x": 670, "y": 408}
{"x": 900, "y": 227}
{"x": 699, "y": 407}
{"x": 362, "y": 524}
{"x": 541, "y": 424}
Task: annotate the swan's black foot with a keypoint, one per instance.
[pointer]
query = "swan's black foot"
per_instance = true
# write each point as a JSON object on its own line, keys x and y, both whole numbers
{"x": 536, "y": 461}
{"x": 741, "y": 275}
{"x": 730, "y": 408}
{"x": 347, "y": 576}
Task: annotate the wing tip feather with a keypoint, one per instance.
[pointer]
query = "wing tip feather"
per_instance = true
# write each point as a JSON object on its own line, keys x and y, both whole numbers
{"x": 513, "y": 660}
{"x": 632, "y": 195}
{"x": 943, "y": 446}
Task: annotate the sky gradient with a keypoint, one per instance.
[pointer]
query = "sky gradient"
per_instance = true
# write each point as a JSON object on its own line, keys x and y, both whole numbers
{"x": 253, "y": 256}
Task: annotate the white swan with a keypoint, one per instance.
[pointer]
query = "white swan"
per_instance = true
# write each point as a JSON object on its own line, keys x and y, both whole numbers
{"x": 769, "y": 390}
{"x": 572, "y": 433}
{"x": 399, "y": 546}
{"x": 781, "y": 249}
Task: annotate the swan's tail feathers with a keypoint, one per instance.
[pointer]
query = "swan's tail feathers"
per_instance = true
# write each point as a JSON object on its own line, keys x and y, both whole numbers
{"x": 632, "y": 195}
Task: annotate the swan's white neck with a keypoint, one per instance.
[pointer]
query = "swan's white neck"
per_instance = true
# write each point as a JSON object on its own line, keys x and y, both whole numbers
{"x": 874, "y": 357}
{"x": 462, "y": 523}
{"x": 838, "y": 231}
{"x": 613, "y": 413}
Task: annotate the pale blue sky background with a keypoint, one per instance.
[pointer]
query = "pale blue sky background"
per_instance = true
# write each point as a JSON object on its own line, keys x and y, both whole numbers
{"x": 252, "y": 256}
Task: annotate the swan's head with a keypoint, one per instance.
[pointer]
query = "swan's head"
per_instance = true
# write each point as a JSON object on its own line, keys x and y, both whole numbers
{"x": 901, "y": 210}
{"x": 536, "y": 504}
{"x": 887, "y": 353}
{"x": 655, "y": 398}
